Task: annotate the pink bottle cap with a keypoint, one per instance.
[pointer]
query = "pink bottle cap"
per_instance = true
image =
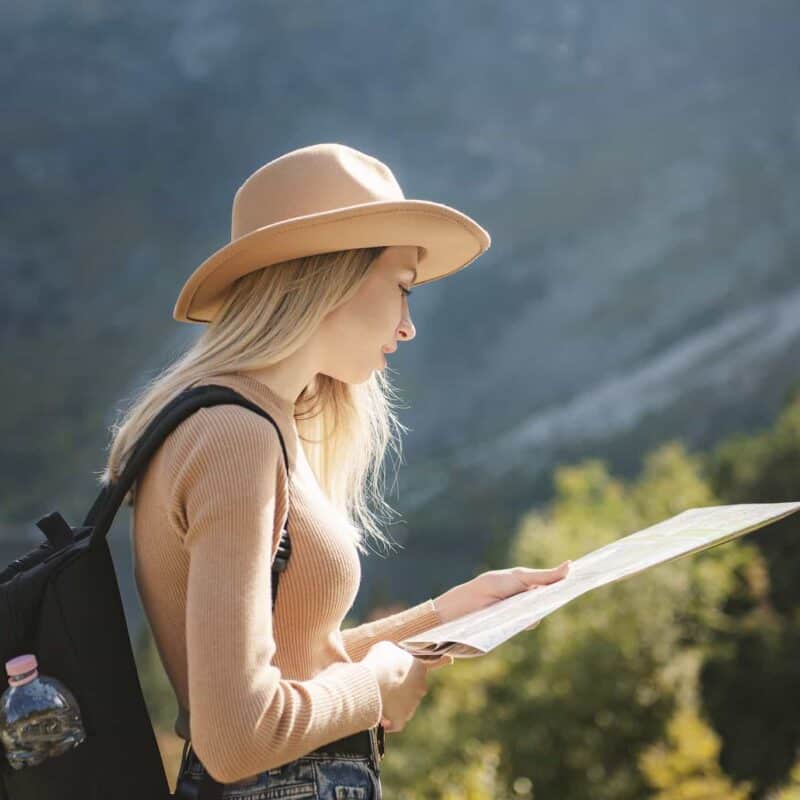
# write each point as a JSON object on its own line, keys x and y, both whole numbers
{"x": 19, "y": 666}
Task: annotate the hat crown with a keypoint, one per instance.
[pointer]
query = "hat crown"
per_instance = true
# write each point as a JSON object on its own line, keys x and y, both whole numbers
{"x": 310, "y": 180}
{"x": 325, "y": 198}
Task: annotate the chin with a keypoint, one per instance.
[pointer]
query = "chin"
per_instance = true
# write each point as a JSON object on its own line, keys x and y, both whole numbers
{"x": 361, "y": 376}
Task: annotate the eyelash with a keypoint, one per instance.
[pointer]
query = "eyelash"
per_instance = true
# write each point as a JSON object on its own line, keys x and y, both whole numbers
{"x": 405, "y": 291}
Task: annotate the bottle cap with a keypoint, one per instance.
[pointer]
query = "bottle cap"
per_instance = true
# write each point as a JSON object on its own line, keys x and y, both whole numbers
{"x": 18, "y": 666}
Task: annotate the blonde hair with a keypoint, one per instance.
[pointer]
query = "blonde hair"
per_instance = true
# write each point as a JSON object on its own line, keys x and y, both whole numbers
{"x": 345, "y": 429}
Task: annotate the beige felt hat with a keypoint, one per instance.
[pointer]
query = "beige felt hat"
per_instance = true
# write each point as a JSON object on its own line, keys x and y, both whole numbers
{"x": 319, "y": 199}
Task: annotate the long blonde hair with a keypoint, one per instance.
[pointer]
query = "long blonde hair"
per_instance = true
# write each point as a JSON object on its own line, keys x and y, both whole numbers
{"x": 345, "y": 429}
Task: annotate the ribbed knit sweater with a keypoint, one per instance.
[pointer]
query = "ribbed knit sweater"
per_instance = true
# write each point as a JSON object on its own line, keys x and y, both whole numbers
{"x": 208, "y": 512}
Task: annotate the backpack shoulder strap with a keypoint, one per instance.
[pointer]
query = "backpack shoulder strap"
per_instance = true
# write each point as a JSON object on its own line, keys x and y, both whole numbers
{"x": 105, "y": 507}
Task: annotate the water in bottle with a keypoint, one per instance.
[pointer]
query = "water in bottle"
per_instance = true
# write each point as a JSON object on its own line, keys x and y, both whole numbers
{"x": 39, "y": 716}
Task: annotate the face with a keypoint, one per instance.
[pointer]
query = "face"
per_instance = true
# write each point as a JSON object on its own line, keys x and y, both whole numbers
{"x": 355, "y": 336}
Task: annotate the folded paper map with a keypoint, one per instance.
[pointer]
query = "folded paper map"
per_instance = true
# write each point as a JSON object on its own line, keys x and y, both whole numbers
{"x": 691, "y": 531}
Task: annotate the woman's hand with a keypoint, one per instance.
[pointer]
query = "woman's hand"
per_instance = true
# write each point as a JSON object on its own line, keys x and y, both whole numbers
{"x": 402, "y": 680}
{"x": 497, "y": 584}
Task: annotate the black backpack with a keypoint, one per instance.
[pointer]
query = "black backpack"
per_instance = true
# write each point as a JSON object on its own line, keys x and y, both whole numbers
{"x": 61, "y": 601}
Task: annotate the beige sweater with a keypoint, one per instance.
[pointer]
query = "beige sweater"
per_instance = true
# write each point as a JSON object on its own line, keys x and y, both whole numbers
{"x": 207, "y": 517}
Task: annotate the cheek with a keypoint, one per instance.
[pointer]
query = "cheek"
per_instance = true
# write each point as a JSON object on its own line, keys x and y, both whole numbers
{"x": 354, "y": 335}
{"x": 369, "y": 315}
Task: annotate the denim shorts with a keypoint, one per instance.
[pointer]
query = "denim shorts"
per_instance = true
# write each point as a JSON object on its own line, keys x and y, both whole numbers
{"x": 316, "y": 776}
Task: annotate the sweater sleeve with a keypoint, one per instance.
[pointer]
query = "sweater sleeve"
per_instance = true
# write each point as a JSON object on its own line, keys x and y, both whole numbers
{"x": 393, "y": 628}
{"x": 227, "y": 468}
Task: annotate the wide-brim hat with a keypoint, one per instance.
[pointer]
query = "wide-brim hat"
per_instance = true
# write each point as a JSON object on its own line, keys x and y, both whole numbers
{"x": 320, "y": 199}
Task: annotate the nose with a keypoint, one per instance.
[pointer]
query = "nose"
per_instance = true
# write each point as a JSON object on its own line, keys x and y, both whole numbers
{"x": 406, "y": 330}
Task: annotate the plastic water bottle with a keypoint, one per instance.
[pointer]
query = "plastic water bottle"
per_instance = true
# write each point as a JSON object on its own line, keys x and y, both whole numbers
{"x": 39, "y": 716}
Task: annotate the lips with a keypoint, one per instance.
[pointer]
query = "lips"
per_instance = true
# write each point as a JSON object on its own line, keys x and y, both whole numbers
{"x": 387, "y": 349}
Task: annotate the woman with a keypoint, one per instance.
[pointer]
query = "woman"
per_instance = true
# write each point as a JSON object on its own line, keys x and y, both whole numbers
{"x": 301, "y": 307}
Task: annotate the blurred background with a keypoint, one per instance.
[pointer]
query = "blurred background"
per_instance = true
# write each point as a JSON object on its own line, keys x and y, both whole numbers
{"x": 629, "y": 346}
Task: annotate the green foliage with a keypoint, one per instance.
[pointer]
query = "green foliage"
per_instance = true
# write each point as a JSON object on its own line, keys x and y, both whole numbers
{"x": 687, "y": 766}
{"x": 765, "y": 468}
{"x": 755, "y": 659}
{"x": 791, "y": 790}
{"x": 604, "y": 673}
{"x": 571, "y": 704}
{"x": 437, "y": 752}
{"x": 156, "y": 688}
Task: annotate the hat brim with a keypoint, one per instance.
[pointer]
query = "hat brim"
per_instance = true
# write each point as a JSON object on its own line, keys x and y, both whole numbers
{"x": 449, "y": 238}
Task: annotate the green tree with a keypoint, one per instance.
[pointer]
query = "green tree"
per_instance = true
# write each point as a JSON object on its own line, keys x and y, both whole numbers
{"x": 686, "y": 767}
{"x": 791, "y": 789}
{"x": 756, "y": 658}
{"x": 573, "y": 703}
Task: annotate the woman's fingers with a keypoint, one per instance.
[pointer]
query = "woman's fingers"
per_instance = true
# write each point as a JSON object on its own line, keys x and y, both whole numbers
{"x": 539, "y": 577}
